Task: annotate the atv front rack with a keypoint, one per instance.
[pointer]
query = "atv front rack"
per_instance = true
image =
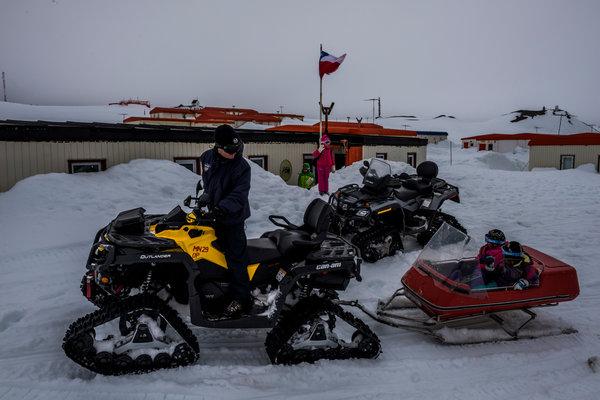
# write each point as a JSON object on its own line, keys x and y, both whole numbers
{"x": 394, "y": 315}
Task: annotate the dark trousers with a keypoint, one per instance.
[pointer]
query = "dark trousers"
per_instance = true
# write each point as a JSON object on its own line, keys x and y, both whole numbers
{"x": 232, "y": 240}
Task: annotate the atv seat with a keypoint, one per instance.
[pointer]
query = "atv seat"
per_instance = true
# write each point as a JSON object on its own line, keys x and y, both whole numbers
{"x": 262, "y": 250}
{"x": 426, "y": 172}
{"x": 420, "y": 185}
{"x": 293, "y": 241}
{"x": 405, "y": 194}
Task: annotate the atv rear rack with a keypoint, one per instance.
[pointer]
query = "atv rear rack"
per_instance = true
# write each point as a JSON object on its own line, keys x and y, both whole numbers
{"x": 392, "y": 315}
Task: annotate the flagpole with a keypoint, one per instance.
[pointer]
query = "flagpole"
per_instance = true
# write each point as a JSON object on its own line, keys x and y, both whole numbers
{"x": 320, "y": 101}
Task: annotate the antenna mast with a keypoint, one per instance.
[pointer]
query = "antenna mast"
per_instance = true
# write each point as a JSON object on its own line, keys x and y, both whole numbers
{"x": 4, "y": 84}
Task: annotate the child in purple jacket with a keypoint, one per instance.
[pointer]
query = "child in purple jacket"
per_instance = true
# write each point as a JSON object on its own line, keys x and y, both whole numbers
{"x": 519, "y": 271}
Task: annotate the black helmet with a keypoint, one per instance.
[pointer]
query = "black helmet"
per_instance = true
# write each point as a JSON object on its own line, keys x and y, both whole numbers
{"x": 228, "y": 139}
{"x": 495, "y": 236}
{"x": 512, "y": 251}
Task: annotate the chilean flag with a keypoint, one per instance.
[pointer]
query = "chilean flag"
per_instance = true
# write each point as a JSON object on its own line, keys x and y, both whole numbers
{"x": 329, "y": 63}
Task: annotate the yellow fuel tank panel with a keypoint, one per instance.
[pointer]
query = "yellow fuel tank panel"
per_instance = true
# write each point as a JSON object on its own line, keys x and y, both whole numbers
{"x": 199, "y": 247}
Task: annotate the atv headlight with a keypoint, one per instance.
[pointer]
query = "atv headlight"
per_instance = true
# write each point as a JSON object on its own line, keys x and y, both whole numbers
{"x": 363, "y": 212}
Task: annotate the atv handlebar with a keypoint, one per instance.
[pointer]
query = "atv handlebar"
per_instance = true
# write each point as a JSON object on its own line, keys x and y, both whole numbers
{"x": 201, "y": 201}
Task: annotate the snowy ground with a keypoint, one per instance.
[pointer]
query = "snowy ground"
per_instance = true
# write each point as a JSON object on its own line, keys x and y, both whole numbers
{"x": 48, "y": 222}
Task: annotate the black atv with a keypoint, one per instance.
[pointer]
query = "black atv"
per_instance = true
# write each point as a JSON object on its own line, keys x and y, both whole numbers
{"x": 141, "y": 265}
{"x": 379, "y": 215}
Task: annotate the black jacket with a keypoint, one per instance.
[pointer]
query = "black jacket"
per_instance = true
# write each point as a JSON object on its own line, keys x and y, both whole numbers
{"x": 227, "y": 183}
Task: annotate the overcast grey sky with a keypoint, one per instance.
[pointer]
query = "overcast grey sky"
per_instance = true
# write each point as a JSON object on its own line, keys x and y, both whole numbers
{"x": 468, "y": 58}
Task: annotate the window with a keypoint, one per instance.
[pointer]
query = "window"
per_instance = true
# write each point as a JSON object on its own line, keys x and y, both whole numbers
{"x": 191, "y": 163}
{"x": 567, "y": 161}
{"x": 411, "y": 159}
{"x": 76, "y": 166}
{"x": 490, "y": 146}
{"x": 383, "y": 156}
{"x": 262, "y": 161}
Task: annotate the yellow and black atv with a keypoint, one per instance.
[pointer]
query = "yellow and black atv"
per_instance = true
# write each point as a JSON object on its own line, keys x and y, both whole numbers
{"x": 142, "y": 265}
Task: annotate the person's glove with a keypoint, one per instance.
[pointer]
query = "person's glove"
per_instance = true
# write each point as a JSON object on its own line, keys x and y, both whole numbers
{"x": 521, "y": 284}
{"x": 219, "y": 213}
{"x": 333, "y": 169}
{"x": 488, "y": 262}
{"x": 321, "y": 148}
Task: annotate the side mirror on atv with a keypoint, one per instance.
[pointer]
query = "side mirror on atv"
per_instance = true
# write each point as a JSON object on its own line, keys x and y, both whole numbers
{"x": 187, "y": 201}
{"x": 366, "y": 163}
{"x": 198, "y": 187}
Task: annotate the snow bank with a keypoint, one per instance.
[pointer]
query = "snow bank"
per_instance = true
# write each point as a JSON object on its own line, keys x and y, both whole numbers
{"x": 59, "y": 209}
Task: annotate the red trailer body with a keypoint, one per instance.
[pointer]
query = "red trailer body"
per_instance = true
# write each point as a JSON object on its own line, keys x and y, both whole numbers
{"x": 445, "y": 299}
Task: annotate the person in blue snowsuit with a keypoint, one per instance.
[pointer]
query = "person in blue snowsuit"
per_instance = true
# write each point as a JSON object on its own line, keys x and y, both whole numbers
{"x": 226, "y": 177}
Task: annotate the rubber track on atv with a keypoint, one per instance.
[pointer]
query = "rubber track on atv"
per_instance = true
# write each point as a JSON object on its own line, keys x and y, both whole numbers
{"x": 280, "y": 351}
{"x": 438, "y": 220}
{"x": 80, "y": 348}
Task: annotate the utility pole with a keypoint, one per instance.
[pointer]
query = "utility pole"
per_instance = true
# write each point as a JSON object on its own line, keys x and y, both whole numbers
{"x": 373, "y": 100}
{"x": 4, "y": 84}
{"x": 405, "y": 126}
{"x": 560, "y": 121}
{"x": 280, "y": 109}
{"x": 536, "y": 128}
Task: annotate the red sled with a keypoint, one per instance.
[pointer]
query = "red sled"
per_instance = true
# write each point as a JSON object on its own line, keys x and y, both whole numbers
{"x": 440, "y": 297}
{"x": 442, "y": 284}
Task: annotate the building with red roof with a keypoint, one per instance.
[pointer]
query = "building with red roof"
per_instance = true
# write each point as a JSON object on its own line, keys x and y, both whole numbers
{"x": 565, "y": 151}
{"x": 209, "y": 117}
{"x": 501, "y": 142}
{"x": 354, "y": 141}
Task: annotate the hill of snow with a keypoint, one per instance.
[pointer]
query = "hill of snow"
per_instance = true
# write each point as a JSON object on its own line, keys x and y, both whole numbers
{"x": 458, "y": 128}
{"x": 106, "y": 114}
{"x": 48, "y": 223}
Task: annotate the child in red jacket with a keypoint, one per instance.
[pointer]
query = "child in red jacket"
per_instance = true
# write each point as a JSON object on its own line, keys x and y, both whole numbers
{"x": 491, "y": 259}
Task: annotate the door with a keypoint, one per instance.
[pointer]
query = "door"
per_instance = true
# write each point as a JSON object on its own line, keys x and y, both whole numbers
{"x": 481, "y": 146}
{"x": 567, "y": 161}
{"x": 355, "y": 153}
{"x": 340, "y": 160}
